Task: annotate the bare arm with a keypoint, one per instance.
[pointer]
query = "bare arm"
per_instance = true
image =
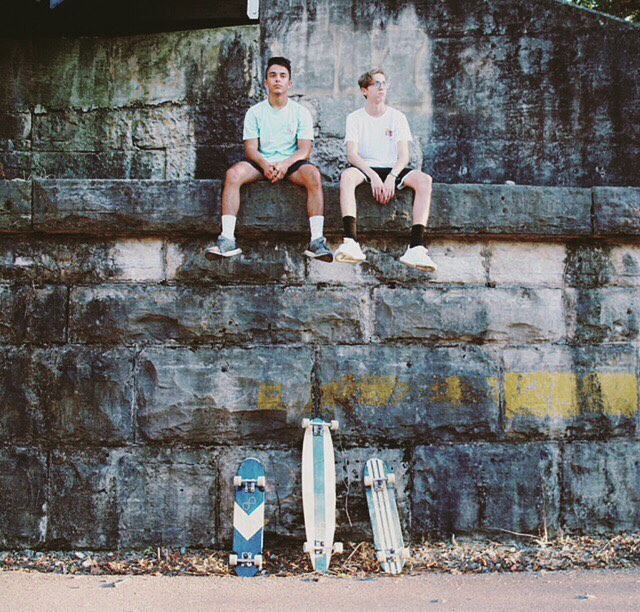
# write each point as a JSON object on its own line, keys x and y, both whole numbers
{"x": 401, "y": 163}
{"x": 252, "y": 153}
{"x": 355, "y": 160}
{"x": 403, "y": 156}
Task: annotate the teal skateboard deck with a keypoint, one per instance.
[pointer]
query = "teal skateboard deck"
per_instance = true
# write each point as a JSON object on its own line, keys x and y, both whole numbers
{"x": 248, "y": 518}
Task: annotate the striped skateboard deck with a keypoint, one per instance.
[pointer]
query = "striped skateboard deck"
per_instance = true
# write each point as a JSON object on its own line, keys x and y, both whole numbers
{"x": 379, "y": 484}
{"x": 248, "y": 518}
{"x": 319, "y": 492}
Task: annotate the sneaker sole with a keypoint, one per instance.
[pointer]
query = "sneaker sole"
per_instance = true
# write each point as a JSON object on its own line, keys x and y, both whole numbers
{"x": 212, "y": 255}
{"x": 328, "y": 257}
{"x": 342, "y": 258}
{"x": 423, "y": 268}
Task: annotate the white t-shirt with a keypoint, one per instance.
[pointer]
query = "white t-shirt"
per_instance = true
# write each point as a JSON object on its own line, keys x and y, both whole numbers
{"x": 377, "y": 137}
{"x": 278, "y": 129}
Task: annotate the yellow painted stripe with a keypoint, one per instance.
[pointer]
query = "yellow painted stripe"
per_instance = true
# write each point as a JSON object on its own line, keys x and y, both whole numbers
{"x": 555, "y": 394}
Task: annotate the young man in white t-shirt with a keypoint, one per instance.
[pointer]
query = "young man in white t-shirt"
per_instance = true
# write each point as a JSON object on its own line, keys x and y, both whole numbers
{"x": 278, "y": 134}
{"x": 377, "y": 139}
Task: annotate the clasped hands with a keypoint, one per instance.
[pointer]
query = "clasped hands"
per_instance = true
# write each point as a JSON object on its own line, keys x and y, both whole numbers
{"x": 383, "y": 191}
{"x": 276, "y": 171}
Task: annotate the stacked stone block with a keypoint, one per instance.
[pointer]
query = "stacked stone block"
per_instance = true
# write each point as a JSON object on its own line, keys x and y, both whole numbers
{"x": 135, "y": 374}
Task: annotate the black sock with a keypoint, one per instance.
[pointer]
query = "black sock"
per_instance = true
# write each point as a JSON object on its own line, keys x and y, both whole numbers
{"x": 349, "y": 225}
{"x": 417, "y": 235}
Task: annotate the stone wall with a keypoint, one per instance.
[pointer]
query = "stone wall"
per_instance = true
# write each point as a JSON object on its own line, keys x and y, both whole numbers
{"x": 136, "y": 375}
{"x": 541, "y": 93}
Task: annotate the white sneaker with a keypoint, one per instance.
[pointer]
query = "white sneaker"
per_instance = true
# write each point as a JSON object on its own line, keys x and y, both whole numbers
{"x": 418, "y": 257}
{"x": 349, "y": 252}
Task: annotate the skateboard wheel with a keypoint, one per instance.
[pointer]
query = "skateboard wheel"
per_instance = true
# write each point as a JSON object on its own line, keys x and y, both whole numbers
{"x": 306, "y": 423}
{"x": 257, "y": 561}
{"x": 306, "y": 547}
{"x": 391, "y": 478}
{"x": 237, "y": 481}
{"x": 338, "y": 548}
{"x": 406, "y": 553}
{"x": 334, "y": 425}
{"x": 381, "y": 556}
{"x": 262, "y": 482}
{"x": 368, "y": 481}
{"x": 233, "y": 560}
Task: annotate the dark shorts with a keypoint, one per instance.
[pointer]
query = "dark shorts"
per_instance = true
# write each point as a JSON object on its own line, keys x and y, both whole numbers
{"x": 383, "y": 173}
{"x": 295, "y": 166}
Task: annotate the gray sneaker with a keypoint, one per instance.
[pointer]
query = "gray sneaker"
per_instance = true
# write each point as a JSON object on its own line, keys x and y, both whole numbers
{"x": 318, "y": 249}
{"x": 224, "y": 247}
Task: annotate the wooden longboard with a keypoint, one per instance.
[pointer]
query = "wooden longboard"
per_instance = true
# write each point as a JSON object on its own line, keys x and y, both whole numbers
{"x": 319, "y": 492}
{"x": 379, "y": 484}
{"x": 248, "y": 518}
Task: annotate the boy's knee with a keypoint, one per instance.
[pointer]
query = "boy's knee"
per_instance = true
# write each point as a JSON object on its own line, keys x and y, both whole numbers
{"x": 348, "y": 178}
{"x": 425, "y": 180}
{"x": 233, "y": 176}
{"x": 313, "y": 178}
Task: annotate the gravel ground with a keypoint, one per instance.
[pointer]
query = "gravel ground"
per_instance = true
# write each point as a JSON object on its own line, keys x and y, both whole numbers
{"x": 521, "y": 553}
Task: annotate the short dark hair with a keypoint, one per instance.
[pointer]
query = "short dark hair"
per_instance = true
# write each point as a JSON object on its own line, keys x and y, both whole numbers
{"x": 280, "y": 61}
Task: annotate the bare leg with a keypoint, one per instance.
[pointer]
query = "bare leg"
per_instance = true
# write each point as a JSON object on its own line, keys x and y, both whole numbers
{"x": 238, "y": 175}
{"x": 421, "y": 183}
{"x": 309, "y": 176}
{"x": 349, "y": 180}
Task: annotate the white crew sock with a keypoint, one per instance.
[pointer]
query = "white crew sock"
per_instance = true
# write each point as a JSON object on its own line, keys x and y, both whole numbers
{"x": 228, "y": 226}
{"x": 317, "y": 226}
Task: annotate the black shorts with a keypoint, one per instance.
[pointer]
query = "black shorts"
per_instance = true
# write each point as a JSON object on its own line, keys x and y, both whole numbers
{"x": 383, "y": 173}
{"x": 292, "y": 168}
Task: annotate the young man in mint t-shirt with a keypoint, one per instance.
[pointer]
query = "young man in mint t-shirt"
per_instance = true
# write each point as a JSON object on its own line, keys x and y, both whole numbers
{"x": 377, "y": 138}
{"x": 278, "y": 134}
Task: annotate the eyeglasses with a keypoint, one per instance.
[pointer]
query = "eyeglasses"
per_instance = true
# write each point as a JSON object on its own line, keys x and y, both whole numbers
{"x": 380, "y": 85}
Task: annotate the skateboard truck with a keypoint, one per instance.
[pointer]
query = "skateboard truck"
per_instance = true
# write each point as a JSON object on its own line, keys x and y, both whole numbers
{"x": 318, "y": 428}
{"x": 389, "y": 556}
{"x": 246, "y": 559}
{"x": 379, "y": 484}
{"x": 250, "y": 484}
{"x": 319, "y": 549}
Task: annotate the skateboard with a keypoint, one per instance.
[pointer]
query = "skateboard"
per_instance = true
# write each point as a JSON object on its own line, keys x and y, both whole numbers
{"x": 379, "y": 484}
{"x": 248, "y": 518}
{"x": 319, "y": 492}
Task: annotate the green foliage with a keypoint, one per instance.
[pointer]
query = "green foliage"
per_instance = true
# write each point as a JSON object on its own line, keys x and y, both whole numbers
{"x": 625, "y": 9}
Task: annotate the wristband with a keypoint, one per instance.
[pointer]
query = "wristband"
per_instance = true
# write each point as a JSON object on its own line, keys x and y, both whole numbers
{"x": 392, "y": 173}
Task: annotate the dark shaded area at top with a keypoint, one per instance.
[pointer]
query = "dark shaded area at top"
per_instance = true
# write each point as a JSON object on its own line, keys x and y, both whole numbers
{"x": 117, "y": 17}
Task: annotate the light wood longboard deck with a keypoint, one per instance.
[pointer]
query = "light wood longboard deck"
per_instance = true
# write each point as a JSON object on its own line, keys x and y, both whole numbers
{"x": 248, "y": 519}
{"x": 385, "y": 521}
{"x": 319, "y": 492}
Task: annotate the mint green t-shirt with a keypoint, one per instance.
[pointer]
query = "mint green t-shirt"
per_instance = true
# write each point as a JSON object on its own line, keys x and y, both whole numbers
{"x": 278, "y": 130}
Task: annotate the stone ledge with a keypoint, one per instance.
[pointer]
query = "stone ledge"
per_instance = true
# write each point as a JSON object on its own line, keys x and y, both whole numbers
{"x": 193, "y": 206}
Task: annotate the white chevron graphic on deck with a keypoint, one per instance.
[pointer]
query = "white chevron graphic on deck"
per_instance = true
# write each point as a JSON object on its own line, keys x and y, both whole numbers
{"x": 247, "y": 524}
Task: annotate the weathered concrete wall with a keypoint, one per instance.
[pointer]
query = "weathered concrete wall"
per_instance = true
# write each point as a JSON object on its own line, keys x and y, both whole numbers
{"x": 135, "y": 374}
{"x": 541, "y": 93}
{"x": 160, "y": 106}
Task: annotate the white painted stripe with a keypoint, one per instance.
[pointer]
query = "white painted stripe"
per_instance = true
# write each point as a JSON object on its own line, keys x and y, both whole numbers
{"x": 330, "y": 480}
{"x": 392, "y": 527}
{"x": 387, "y": 516}
{"x": 308, "y": 497}
{"x": 384, "y": 530}
{"x": 248, "y": 524}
